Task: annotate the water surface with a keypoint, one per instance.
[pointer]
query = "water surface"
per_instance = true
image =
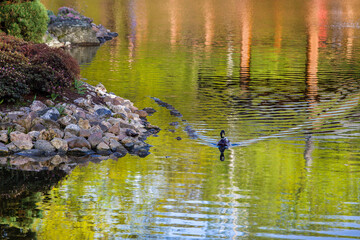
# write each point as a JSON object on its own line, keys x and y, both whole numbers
{"x": 280, "y": 77}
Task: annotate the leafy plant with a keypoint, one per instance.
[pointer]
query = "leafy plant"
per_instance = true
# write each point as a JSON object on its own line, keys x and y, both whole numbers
{"x": 79, "y": 86}
{"x": 10, "y": 130}
{"x": 26, "y": 20}
{"x": 61, "y": 109}
{"x": 53, "y": 96}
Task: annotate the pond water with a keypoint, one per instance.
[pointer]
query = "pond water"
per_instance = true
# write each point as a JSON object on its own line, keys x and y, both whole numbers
{"x": 280, "y": 77}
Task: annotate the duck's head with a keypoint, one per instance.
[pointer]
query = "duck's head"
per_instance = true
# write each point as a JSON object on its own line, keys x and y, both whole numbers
{"x": 222, "y": 134}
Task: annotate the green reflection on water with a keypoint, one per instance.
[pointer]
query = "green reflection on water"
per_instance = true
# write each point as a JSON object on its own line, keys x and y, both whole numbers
{"x": 284, "y": 75}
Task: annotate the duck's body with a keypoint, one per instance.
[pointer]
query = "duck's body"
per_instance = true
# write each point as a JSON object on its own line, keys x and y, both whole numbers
{"x": 224, "y": 143}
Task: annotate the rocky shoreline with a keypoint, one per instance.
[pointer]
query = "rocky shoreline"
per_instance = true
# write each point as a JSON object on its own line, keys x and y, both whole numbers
{"x": 70, "y": 28}
{"x": 98, "y": 126}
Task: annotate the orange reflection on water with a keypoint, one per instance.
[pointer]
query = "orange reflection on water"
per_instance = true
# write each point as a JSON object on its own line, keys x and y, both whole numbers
{"x": 174, "y": 21}
{"x": 278, "y": 25}
{"x": 349, "y": 18}
{"x": 209, "y": 22}
{"x": 246, "y": 33}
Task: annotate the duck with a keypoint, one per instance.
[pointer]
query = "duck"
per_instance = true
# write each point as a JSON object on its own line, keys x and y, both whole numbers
{"x": 224, "y": 143}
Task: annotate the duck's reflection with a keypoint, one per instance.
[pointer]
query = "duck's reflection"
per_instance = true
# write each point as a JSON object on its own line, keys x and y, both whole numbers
{"x": 222, "y": 156}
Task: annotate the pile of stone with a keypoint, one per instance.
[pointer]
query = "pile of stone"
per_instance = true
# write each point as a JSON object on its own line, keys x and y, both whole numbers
{"x": 83, "y": 128}
{"x": 70, "y": 27}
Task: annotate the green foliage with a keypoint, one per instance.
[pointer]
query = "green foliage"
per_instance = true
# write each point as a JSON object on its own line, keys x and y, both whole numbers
{"x": 27, "y": 20}
{"x": 61, "y": 109}
{"x": 79, "y": 86}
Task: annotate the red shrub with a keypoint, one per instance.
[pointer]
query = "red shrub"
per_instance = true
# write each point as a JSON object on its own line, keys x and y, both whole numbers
{"x": 37, "y": 67}
{"x": 51, "y": 68}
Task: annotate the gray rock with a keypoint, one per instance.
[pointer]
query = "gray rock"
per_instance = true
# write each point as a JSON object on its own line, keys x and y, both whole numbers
{"x": 82, "y": 102}
{"x": 141, "y": 113}
{"x": 34, "y": 135}
{"x": 103, "y": 149}
{"x": 175, "y": 113}
{"x": 126, "y": 125}
{"x": 75, "y": 31}
{"x": 4, "y": 136}
{"x": 51, "y": 114}
{"x": 48, "y": 123}
{"x": 114, "y": 145}
{"x": 103, "y": 112}
{"x": 47, "y": 135}
{"x": 95, "y": 138}
{"x": 60, "y": 145}
{"x": 68, "y": 135}
{"x": 73, "y": 129}
{"x": 115, "y": 129}
{"x": 44, "y": 146}
{"x": 38, "y": 127}
{"x": 67, "y": 120}
{"x": 142, "y": 152}
{"x": 37, "y": 106}
{"x": 84, "y": 133}
{"x": 118, "y": 148}
{"x": 149, "y": 110}
{"x": 12, "y": 147}
{"x": 131, "y": 133}
{"x": 4, "y": 150}
{"x": 84, "y": 124}
{"x": 21, "y": 140}
{"x": 78, "y": 142}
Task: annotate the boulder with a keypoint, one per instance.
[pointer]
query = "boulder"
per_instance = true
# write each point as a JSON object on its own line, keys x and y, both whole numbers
{"x": 131, "y": 133}
{"x": 4, "y": 150}
{"x": 78, "y": 142}
{"x": 4, "y": 136}
{"x": 75, "y": 31}
{"x": 21, "y": 140}
{"x": 84, "y": 133}
{"x": 60, "y": 145}
{"x": 34, "y": 135}
{"x": 84, "y": 124}
{"x": 37, "y": 106}
{"x": 73, "y": 129}
{"x": 149, "y": 110}
{"x": 103, "y": 112}
{"x": 141, "y": 113}
{"x": 95, "y": 138}
{"x": 115, "y": 129}
{"x": 103, "y": 148}
{"x": 51, "y": 114}
{"x": 38, "y": 127}
{"x": 44, "y": 146}
{"x": 67, "y": 120}
{"x": 47, "y": 135}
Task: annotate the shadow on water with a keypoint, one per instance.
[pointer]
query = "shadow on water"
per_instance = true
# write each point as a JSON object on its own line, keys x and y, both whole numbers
{"x": 20, "y": 191}
{"x": 24, "y": 182}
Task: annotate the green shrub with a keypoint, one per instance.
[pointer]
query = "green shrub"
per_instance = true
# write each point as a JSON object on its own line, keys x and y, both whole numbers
{"x": 27, "y": 20}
